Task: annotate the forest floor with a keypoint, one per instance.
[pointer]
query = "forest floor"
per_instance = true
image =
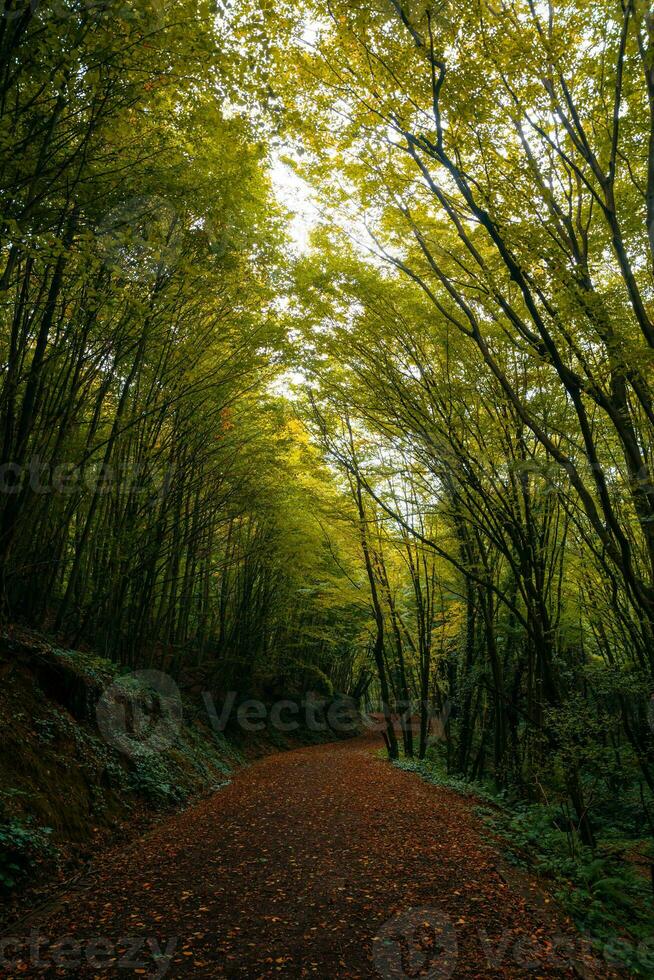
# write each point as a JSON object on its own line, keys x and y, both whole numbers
{"x": 323, "y": 861}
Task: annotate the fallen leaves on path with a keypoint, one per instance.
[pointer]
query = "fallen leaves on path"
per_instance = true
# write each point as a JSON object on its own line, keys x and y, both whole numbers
{"x": 321, "y": 862}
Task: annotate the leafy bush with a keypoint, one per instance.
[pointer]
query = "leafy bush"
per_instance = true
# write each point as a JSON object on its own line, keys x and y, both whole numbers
{"x": 21, "y": 846}
{"x": 152, "y": 779}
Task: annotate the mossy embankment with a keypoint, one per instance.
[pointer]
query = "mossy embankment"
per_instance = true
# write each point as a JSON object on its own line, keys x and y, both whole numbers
{"x": 70, "y": 785}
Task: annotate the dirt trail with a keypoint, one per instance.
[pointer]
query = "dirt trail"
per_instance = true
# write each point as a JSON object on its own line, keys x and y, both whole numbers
{"x": 321, "y": 862}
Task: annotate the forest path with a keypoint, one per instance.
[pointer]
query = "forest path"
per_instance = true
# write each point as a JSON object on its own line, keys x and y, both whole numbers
{"x": 323, "y": 861}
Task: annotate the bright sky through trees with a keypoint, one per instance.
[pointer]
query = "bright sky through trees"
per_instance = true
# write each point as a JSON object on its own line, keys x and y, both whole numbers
{"x": 299, "y": 200}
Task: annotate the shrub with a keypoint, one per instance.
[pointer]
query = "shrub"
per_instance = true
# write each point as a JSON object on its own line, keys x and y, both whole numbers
{"x": 22, "y": 845}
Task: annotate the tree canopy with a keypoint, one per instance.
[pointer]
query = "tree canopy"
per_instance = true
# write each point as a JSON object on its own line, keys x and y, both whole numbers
{"x": 413, "y": 460}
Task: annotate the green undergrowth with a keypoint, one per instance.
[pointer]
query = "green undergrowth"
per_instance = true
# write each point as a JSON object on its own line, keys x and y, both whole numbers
{"x": 22, "y": 847}
{"x": 603, "y": 891}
